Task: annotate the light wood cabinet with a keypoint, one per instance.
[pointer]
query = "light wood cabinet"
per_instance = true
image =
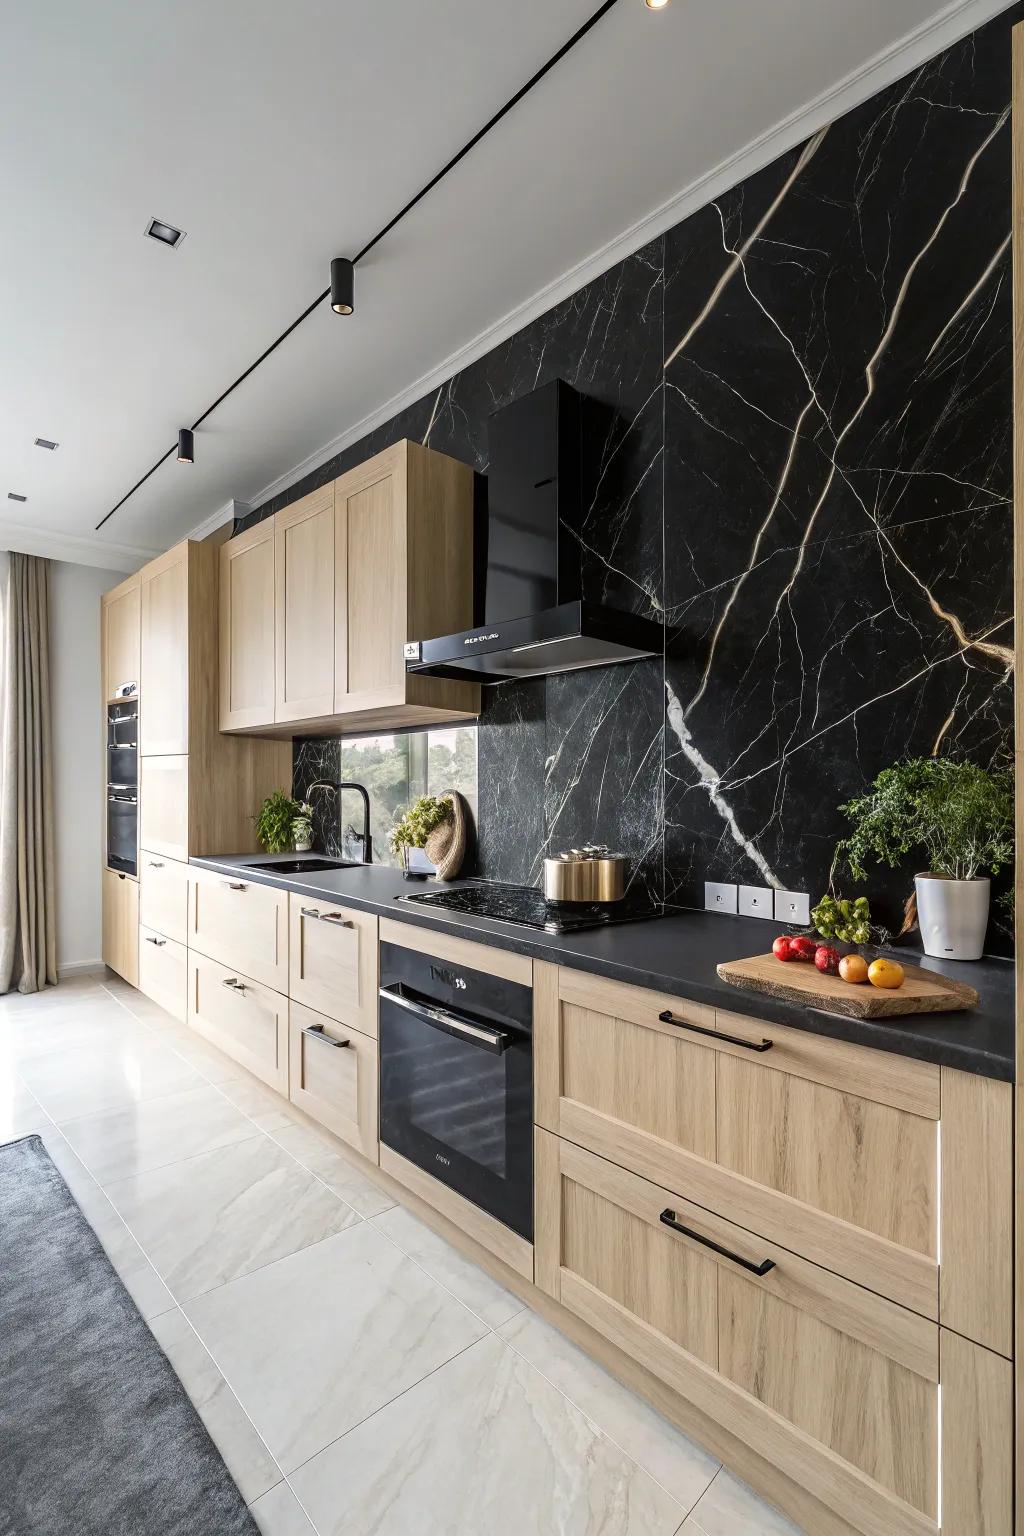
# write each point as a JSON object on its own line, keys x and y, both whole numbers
{"x": 163, "y": 895}
{"x": 304, "y": 607}
{"x": 119, "y": 612}
{"x": 163, "y": 724}
{"x": 120, "y": 895}
{"x": 241, "y": 924}
{"x": 245, "y": 1019}
{"x": 333, "y": 1077}
{"x": 163, "y": 971}
{"x": 248, "y": 686}
{"x": 332, "y": 961}
{"x": 163, "y": 805}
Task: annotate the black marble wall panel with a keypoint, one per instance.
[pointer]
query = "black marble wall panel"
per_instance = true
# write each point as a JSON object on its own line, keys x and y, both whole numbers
{"x": 798, "y": 450}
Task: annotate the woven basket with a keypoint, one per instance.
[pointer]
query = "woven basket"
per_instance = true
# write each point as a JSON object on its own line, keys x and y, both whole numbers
{"x": 446, "y": 845}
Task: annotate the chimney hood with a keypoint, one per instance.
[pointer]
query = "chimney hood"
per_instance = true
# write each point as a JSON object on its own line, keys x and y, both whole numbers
{"x": 536, "y": 620}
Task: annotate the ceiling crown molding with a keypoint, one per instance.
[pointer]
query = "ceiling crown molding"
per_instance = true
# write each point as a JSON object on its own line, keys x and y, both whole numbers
{"x": 948, "y": 26}
{"x": 54, "y": 545}
{"x": 225, "y": 514}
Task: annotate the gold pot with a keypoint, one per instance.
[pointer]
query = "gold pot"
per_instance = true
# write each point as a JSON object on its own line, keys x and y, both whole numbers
{"x": 586, "y": 874}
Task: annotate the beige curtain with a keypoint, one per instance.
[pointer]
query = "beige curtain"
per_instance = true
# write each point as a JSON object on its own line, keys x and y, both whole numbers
{"x": 27, "y": 914}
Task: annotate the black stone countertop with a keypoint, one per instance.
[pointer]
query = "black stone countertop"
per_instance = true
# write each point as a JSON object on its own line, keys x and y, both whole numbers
{"x": 678, "y": 955}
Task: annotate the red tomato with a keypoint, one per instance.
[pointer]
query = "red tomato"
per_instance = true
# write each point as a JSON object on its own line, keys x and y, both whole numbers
{"x": 827, "y": 959}
{"x": 781, "y": 948}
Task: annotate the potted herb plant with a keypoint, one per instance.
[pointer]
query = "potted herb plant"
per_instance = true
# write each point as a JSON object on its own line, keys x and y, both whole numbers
{"x": 284, "y": 824}
{"x": 437, "y": 824}
{"x": 961, "y": 815}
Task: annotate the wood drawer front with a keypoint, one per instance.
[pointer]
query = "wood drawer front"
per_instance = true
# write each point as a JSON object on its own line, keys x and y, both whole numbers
{"x": 245, "y": 1019}
{"x": 241, "y": 924}
{"x": 837, "y": 1386}
{"x": 163, "y": 805}
{"x": 866, "y": 1163}
{"x": 333, "y": 1077}
{"x": 332, "y": 961}
{"x": 163, "y": 895}
{"x": 163, "y": 971}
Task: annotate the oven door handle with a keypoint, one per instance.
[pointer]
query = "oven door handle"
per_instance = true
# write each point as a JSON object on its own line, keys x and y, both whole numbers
{"x": 494, "y": 1040}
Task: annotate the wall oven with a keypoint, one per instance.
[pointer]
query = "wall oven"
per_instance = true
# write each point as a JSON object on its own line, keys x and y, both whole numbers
{"x": 123, "y": 786}
{"x": 456, "y": 1079}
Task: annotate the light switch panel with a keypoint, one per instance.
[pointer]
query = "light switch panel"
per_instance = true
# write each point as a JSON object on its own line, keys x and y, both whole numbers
{"x": 793, "y": 907}
{"x": 719, "y": 898}
{"x": 756, "y": 901}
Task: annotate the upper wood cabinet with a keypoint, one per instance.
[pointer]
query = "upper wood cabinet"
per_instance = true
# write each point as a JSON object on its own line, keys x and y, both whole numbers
{"x": 164, "y": 601}
{"x": 247, "y": 669}
{"x": 304, "y": 607}
{"x": 120, "y": 636}
{"x": 318, "y": 602}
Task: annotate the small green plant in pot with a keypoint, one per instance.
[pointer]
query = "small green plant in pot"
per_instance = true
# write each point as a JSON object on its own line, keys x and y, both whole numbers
{"x": 414, "y": 827}
{"x": 961, "y": 816}
{"x": 280, "y": 822}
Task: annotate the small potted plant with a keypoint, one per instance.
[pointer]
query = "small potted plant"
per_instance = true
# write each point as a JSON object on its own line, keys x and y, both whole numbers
{"x": 961, "y": 815}
{"x": 436, "y": 824}
{"x": 284, "y": 824}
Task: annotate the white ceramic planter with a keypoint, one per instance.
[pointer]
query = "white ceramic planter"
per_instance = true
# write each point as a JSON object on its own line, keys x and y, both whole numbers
{"x": 953, "y": 916}
{"x": 303, "y": 846}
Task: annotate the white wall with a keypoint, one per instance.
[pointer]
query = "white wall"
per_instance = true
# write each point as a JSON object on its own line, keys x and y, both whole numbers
{"x": 75, "y": 592}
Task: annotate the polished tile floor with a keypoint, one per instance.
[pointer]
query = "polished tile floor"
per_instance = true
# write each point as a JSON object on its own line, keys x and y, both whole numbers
{"x": 360, "y": 1377}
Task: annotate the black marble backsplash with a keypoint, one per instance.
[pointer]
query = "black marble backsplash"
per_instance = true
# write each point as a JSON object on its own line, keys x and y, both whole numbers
{"x": 799, "y": 455}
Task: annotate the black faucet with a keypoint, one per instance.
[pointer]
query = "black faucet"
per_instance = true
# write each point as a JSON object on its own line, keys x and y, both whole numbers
{"x": 360, "y": 789}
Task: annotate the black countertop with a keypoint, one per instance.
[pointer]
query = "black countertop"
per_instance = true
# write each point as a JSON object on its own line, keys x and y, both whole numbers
{"x": 678, "y": 954}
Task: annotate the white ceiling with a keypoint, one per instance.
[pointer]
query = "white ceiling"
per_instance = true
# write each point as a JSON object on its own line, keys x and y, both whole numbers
{"x": 279, "y": 136}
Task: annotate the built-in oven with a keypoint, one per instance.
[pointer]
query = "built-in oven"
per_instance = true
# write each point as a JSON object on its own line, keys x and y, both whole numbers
{"x": 123, "y": 786}
{"x": 456, "y": 1079}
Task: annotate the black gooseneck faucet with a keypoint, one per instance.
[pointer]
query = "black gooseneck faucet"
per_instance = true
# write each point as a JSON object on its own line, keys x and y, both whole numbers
{"x": 337, "y": 788}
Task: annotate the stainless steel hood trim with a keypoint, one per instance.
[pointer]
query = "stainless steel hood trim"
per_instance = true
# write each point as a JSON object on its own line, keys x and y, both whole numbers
{"x": 596, "y": 637}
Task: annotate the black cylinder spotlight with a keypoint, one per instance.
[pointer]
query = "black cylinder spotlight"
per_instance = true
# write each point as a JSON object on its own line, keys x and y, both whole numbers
{"x": 342, "y": 286}
{"x": 186, "y": 448}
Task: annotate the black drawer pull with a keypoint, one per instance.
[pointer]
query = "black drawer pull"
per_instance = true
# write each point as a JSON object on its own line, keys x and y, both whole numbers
{"x": 669, "y": 1220}
{"x": 235, "y": 885}
{"x": 154, "y": 864}
{"x": 317, "y": 1032}
{"x": 158, "y": 942}
{"x": 716, "y": 1034}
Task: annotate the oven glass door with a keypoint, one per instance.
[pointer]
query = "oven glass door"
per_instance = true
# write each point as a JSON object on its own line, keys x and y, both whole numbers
{"x": 122, "y": 824}
{"x": 456, "y": 1099}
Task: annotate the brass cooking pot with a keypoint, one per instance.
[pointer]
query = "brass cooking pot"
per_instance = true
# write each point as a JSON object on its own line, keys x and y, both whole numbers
{"x": 586, "y": 874}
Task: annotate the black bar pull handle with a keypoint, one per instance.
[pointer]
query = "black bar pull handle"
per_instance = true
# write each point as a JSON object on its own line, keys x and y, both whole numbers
{"x": 716, "y": 1034}
{"x": 668, "y": 1218}
{"x": 317, "y": 1032}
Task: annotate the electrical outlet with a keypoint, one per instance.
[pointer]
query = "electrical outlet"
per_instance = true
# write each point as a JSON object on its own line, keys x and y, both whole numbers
{"x": 756, "y": 901}
{"x": 793, "y": 907}
{"x": 719, "y": 898}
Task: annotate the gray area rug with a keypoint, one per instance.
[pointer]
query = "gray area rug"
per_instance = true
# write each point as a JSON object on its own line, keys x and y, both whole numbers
{"x": 97, "y": 1435}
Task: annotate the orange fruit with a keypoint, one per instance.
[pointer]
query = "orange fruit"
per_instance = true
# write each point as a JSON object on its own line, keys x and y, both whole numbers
{"x": 885, "y": 973}
{"x": 853, "y": 968}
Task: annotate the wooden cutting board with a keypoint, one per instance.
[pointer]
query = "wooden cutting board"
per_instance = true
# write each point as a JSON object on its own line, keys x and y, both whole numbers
{"x": 797, "y": 981}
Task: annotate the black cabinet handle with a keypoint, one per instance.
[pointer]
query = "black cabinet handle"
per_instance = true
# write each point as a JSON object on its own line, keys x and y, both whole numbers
{"x": 668, "y": 1218}
{"x": 158, "y": 942}
{"x": 716, "y": 1034}
{"x": 317, "y": 1032}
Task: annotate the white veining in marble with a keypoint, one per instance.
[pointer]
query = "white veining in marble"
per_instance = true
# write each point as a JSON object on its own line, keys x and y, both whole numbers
{"x": 214, "y": 1217}
{"x": 466, "y": 1280}
{"x": 117, "y": 1143}
{"x": 671, "y": 1459}
{"x": 247, "y": 1459}
{"x": 317, "y": 1342}
{"x": 320, "y": 1156}
{"x": 486, "y": 1444}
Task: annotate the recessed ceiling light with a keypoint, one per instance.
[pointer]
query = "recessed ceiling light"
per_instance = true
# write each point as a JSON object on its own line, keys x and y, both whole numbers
{"x": 13, "y": 496}
{"x": 44, "y": 442}
{"x": 159, "y": 229}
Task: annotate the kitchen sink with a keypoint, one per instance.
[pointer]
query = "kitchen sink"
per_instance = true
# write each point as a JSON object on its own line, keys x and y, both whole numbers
{"x": 299, "y": 866}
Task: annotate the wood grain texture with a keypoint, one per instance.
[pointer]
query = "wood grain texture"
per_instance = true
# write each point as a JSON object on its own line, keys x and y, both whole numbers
{"x": 163, "y": 972}
{"x": 164, "y": 654}
{"x": 492, "y": 1235}
{"x": 304, "y": 606}
{"x": 163, "y": 805}
{"x": 977, "y": 1439}
{"x": 242, "y": 925}
{"x": 868, "y": 1164}
{"x": 547, "y": 1211}
{"x": 163, "y": 895}
{"x": 120, "y": 899}
{"x": 922, "y": 991}
{"x": 444, "y": 946}
{"x": 121, "y": 619}
{"x": 547, "y": 1046}
{"x": 248, "y": 1021}
{"x": 247, "y": 670}
{"x": 619, "y": 1000}
{"x": 332, "y": 961}
{"x": 336, "y": 1084}
{"x": 976, "y": 1274}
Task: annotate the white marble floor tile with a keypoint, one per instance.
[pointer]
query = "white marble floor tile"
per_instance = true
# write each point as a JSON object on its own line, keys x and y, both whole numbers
{"x": 730, "y": 1508}
{"x": 246, "y": 1457}
{"x": 20, "y": 1111}
{"x": 151, "y": 1133}
{"x": 484, "y": 1444}
{"x": 322, "y": 1158}
{"x": 279, "y": 1513}
{"x": 681, "y": 1467}
{"x": 85, "y": 1080}
{"x": 217, "y": 1216}
{"x": 248, "y": 1095}
{"x": 319, "y": 1341}
{"x": 466, "y": 1280}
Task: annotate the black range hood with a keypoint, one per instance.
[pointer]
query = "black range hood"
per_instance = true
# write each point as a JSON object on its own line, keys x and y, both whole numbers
{"x": 536, "y": 620}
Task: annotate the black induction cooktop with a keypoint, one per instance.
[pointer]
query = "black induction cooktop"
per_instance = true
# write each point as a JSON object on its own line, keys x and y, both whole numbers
{"x": 527, "y": 907}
